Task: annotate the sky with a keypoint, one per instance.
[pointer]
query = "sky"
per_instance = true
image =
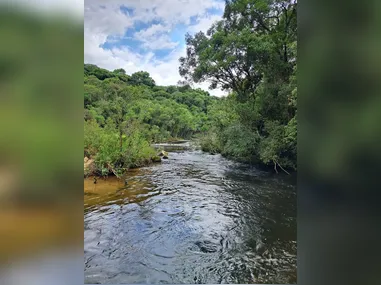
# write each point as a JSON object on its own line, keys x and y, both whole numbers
{"x": 146, "y": 35}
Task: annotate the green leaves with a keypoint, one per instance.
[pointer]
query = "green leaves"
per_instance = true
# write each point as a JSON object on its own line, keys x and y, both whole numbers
{"x": 141, "y": 78}
{"x": 252, "y": 53}
{"x": 252, "y": 39}
{"x": 124, "y": 114}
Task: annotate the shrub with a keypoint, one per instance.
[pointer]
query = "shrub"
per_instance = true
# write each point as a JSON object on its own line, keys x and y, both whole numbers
{"x": 103, "y": 144}
{"x": 210, "y": 143}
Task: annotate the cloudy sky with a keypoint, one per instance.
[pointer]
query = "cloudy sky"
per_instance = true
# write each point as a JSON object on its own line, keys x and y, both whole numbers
{"x": 145, "y": 34}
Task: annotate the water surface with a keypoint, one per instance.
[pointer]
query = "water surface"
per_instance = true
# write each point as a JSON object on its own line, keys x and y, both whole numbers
{"x": 195, "y": 218}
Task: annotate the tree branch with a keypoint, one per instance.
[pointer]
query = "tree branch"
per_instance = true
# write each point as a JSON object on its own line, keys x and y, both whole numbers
{"x": 276, "y": 162}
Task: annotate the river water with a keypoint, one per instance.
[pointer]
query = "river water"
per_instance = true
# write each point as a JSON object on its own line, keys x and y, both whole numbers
{"x": 195, "y": 218}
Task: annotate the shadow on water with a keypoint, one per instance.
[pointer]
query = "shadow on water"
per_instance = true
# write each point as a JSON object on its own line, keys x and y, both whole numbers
{"x": 194, "y": 218}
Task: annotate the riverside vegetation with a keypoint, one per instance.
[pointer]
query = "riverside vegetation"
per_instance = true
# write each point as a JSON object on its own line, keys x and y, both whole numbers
{"x": 251, "y": 53}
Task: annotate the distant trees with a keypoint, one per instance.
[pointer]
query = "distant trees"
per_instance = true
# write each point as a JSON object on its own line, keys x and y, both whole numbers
{"x": 137, "y": 78}
{"x": 125, "y": 113}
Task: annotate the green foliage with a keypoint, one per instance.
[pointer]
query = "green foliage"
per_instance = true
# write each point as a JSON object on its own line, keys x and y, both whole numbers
{"x": 136, "y": 149}
{"x": 92, "y": 140}
{"x": 164, "y": 112}
{"x": 210, "y": 143}
{"x": 251, "y": 52}
{"x": 103, "y": 144}
{"x": 119, "y": 71}
{"x": 108, "y": 151}
{"x": 239, "y": 142}
{"x": 100, "y": 73}
{"x": 124, "y": 114}
{"x": 141, "y": 78}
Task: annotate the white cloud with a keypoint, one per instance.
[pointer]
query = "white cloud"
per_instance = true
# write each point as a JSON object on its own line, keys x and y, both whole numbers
{"x": 156, "y": 37}
{"x": 152, "y": 31}
{"x": 108, "y": 21}
{"x": 105, "y": 22}
{"x": 204, "y": 23}
{"x": 171, "y": 11}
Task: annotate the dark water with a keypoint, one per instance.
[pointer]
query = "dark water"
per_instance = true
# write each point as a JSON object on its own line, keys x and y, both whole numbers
{"x": 194, "y": 218}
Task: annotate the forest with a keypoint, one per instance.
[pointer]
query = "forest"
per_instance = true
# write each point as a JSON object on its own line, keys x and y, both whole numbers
{"x": 251, "y": 53}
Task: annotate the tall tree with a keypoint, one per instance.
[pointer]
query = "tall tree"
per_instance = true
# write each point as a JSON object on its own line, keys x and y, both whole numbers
{"x": 237, "y": 51}
{"x": 251, "y": 52}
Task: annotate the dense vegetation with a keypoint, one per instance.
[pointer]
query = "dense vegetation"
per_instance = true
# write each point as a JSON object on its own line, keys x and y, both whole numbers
{"x": 251, "y": 53}
{"x": 125, "y": 114}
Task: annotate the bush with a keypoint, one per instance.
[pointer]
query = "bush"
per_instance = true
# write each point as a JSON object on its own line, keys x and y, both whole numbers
{"x": 279, "y": 146}
{"x": 104, "y": 145}
{"x": 240, "y": 142}
{"x": 210, "y": 143}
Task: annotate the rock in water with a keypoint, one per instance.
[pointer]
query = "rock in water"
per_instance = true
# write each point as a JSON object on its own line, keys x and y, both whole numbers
{"x": 163, "y": 154}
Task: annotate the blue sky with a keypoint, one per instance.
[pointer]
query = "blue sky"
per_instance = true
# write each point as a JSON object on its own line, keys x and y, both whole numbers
{"x": 146, "y": 35}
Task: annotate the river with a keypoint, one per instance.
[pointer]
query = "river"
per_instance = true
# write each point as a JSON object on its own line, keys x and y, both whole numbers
{"x": 195, "y": 218}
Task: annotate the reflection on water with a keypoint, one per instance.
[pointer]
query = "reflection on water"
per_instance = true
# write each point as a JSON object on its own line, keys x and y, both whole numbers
{"x": 194, "y": 218}
{"x": 111, "y": 190}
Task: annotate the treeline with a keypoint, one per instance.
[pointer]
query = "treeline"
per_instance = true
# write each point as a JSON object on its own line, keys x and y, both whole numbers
{"x": 124, "y": 114}
{"x": 252, "y": 53}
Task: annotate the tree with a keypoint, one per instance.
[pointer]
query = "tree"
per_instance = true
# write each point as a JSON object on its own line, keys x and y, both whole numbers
{"x": 119, "y": 71}
{"x": 251, "y": 53}
{"x": 100, "y": 73}
{"x": 92, "y": 94}
{"x": 237, "y": 51}
{"x": 231, "y": 61}
{"x": 141, "y": 78}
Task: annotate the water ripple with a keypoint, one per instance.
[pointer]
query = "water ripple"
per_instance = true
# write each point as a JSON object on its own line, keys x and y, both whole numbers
{"x": 196, "y": 218}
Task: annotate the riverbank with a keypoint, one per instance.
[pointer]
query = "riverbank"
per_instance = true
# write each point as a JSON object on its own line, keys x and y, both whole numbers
{"x": 209, "y": 143}
{"x": 155, "y": 156}
{"x": 90, "y": 168}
